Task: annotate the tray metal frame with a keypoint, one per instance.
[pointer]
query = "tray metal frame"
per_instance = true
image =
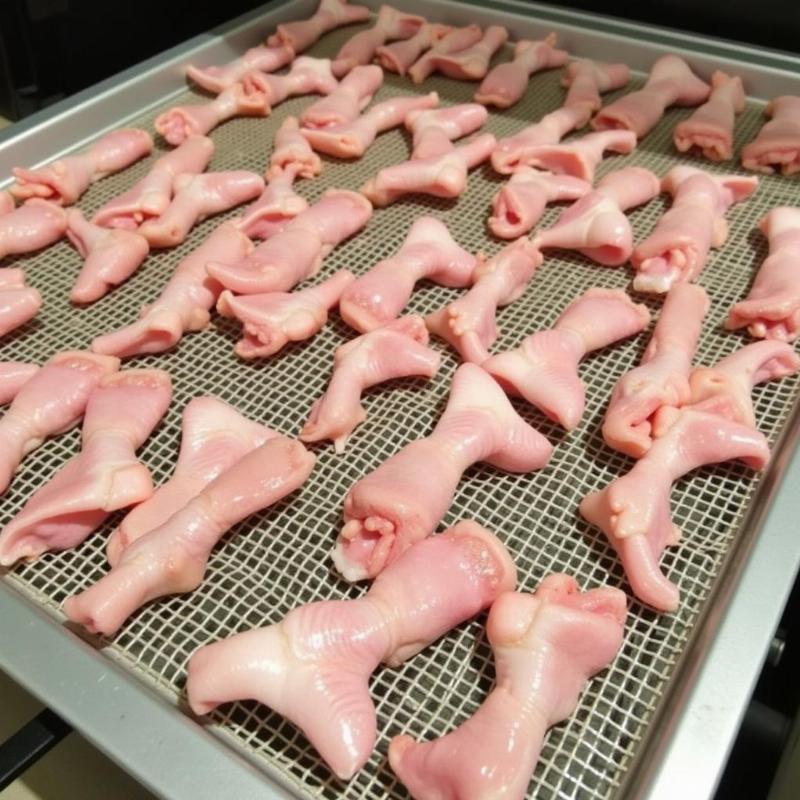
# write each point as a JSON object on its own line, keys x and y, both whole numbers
{"x": 690, "y": 736}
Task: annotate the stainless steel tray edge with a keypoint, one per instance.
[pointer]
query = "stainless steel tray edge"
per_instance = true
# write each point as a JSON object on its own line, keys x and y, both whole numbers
{"x": 109, "y": 104}
{"x": 692, "y": 734}
{"x": 165, "y": 749}
{"x": 766, "y": 74}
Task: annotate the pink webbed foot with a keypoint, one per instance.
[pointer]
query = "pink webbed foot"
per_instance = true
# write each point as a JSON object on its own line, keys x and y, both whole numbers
{"x": 111, "y": 257}
{"x": 105, "y": 477}
{"x": 214, "y": 437}
{"x": 772, "y": 308}
{"x": 634, "y": 511}
{"x": 314, "y": 666}
{"x": 546, "y": 647}
{"x": 469, "y": 323}
{"x": 544, "y": 369}
{"x": 172, "y": 558}
{"x": 398, "y": 504}
{"x": 429, "y": 251}
{"x": 396, "y": 350}
{"x": 270, "y": 321}
{"x": 520, "y": 203}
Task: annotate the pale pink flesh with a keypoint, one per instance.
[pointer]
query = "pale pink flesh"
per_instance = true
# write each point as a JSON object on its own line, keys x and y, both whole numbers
{"x": 709, "y": 130}
{"x": 468, "y": 324}
{"x": 31, "y": 226}
{"x": 7, "y": 203}
{"x": 439, "y": 176}
{"x": 772, "y": 308}
{"x": 596, "y": 224}
{"x": 381, "y": 294}
{"x": 151, "y": 195}
{"x": 471, "y": 63}
{"x": 547, "y": 645}
{"x": 511, "y": 153}
{"x": 434, "y": 131}
{"x": 214, "y": 437}
{"x": 105, "y": 477}
{"x": 520, "y": 203}
{"x": 313, "y": 667}
{"x": 65, "y": 180}
{"x": 180, "y": 122}
{"x": 677, "y": 249}
{"x": 184, "y": 303}
{"x": 329, "y": 15}
{"x": 307, "y": 76}
{"x": 396, "y": 350}
{"x": 671, "y": 82}
{"x": 110, "y": 256}
{"x": 348, "y": 100}
{"x": 727, "y": 386}
{"x": 405, "y": 498}
{"x": 390, "y": 25}
{"x": 51, "y": 402}
{"x": 587, "y": 80}
{"x": 507, "y": 82}
{"x": 662, "y": 379}
{"x": 270, "y": 321}
{"x": 172, "y": 558}
{"x": 454, "y": 41}
{"x": 198, "y": 197}
{"x": 580, "y": 157}
{"x": 278, "y": 204}
{"x": 544, "y": 368}
{"x": 11, "y": 278}
{"x": 13, "y": 376}
{"x": 399, "y": 56}
{"x": 633, "y": 511}
{"x": 291, "y": 151}
{"x": 352, "y": 139}
{"x": 18, "y": 303}
{"x": 777, "y": 146}
{"x": 262, "y": 58}
{"x": 296, "y": 253}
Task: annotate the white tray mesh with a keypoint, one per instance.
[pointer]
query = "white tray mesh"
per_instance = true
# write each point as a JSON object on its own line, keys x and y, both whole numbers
{"x": 280, "y": 558}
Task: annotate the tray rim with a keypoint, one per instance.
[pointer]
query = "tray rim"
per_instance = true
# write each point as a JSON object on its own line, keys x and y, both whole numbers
{"x": 680, "y": 754}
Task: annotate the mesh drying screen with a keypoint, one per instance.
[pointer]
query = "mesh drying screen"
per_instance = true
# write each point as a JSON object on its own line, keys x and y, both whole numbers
{"x": 280, "y": 558}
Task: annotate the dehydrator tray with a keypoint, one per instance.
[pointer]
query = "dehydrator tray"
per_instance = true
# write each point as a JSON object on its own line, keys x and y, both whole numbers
{"x": 659, "y": 721}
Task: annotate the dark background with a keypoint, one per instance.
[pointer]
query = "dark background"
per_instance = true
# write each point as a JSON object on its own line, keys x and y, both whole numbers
{"x": 50, "y": 49}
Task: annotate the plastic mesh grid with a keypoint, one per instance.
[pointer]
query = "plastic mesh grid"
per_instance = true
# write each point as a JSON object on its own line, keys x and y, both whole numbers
{"x": 280, "y": 558}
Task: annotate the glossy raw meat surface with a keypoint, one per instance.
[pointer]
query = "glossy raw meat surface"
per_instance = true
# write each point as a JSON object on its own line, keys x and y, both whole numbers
{"x": 506, "y": 83}
{"x": 105, "y": 477}
{"x": 395, "y": 350}
{"x": 547, "y": 646}
{"x": 678, "y": 248}
{"x": 771, "y": 310}
{"x": 65, "y": 180}
{"x": 777, "y": 146}
{"x": 319, "y": 681}
{"x": 50, "y": 403}
{"x": 662, "y": 377}
{"x": 18, "y": 302}
{"x": 405, "y": 498}
{"x": 172, "y": 557}
{"x": 544, "y": 368}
